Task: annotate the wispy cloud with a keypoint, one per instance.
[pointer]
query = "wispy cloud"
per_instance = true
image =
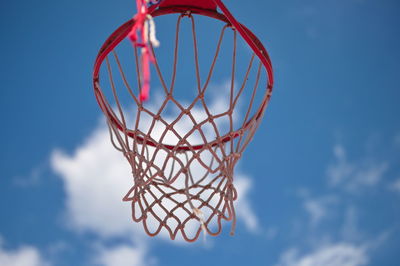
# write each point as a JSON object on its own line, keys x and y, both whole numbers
{"x": 319, "y": 208}
{"x": 354, "y": 175}
{"x": 345, "y": 243}
{"x": 33, "y": 178}
{"x": 350, "y": 230}
{"x": 338, "y": 254}
{"x": 395, "y": 186}
{"x": 23, "y": 256}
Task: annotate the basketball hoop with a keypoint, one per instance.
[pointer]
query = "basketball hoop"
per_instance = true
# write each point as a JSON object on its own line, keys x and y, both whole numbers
{"x": 183, "y": 176}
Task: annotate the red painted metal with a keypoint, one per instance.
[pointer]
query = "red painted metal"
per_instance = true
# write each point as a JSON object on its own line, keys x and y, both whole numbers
{"x": 249, "y": 37}
{"x": 205, "y": 4}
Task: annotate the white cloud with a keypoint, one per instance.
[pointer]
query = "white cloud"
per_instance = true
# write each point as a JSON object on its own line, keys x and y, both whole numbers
{"x": 243, "y": 205}
{"x": 339, "y": 254}
{"x": 96, "y": 178}
{"x": 23, "y": 256}
{"x": 123, "y": 255}
{"x": 354, "y": 175}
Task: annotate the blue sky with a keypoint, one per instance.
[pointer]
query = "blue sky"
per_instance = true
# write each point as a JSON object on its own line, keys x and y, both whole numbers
{"x": 320, "y": 181}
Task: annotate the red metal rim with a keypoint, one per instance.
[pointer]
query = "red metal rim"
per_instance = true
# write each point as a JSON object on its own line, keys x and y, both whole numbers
{"x": 120, "y": 34}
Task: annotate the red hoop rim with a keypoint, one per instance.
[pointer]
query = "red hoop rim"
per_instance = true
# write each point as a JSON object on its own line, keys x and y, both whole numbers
{"x": 120, "y": 34}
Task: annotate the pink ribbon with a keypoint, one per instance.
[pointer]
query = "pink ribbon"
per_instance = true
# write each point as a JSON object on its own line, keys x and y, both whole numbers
{"x": 147, "y": 56}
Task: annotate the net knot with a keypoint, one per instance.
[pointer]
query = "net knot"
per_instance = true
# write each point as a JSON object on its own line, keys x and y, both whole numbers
{"x": 236, "y": 155}
{"x": 184, "y": 170}
{"x": 187, "y": 13}
{"x": 195, "y": 197}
